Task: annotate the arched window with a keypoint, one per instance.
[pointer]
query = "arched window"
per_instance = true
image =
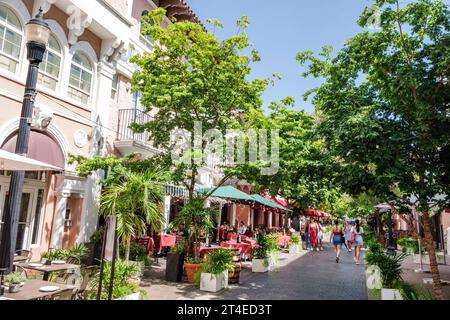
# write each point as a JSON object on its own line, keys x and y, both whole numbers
{"x": 80, "y": 82}
{"x": 51, "y": 65}
{"x": 11, "y": 34}
{"x": 146, "y": 39}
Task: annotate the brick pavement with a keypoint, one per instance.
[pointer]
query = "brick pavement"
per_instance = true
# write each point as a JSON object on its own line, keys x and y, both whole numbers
{"x": 308, "y": 276}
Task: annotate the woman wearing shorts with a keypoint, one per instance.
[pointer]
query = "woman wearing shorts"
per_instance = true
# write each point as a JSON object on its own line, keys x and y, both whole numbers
{"x": 357, "y": 233}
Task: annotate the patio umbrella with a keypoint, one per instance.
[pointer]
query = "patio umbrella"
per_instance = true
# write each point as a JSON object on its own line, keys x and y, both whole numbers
{"x": 14, "y": 162}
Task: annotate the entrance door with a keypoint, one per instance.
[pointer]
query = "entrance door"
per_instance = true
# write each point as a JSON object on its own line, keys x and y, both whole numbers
{"x": 24, "y": 214}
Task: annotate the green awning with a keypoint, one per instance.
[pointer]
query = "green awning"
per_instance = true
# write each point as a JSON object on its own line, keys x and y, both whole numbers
{"x": 268, "y": 203}
{"x": 229, "y": 193}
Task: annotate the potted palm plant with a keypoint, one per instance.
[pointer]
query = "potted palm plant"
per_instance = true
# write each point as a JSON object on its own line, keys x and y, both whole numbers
{"x": 175, "y": 260}
{"x": 260, "y": 261}
{"x": 14, "y": 281}
{"x": 199, "y": 222}
{"x": 214, "y": 276}
{"x": 136, "y": 199}
{"x": 294, "y": 245}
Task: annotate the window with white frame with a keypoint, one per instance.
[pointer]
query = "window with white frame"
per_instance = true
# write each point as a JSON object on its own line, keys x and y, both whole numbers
{"x": 115, "y": 87}
{"x": 146, "y": 39}
{"x": 11, "y": 34}
{"x": 51, "y": 65}
{"x": 80, "y": 82}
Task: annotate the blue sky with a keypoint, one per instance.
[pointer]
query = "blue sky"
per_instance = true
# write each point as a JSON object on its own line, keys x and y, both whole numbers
{"x": 281, "y": 29}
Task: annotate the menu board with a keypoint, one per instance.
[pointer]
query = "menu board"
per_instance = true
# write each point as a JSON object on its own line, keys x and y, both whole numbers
{"x": 110, "y": 238}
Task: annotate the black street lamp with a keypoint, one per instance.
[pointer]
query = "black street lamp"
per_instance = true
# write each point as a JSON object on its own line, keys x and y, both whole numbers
{"x": 391, "y": 243}
{"x": 37, "y": 33}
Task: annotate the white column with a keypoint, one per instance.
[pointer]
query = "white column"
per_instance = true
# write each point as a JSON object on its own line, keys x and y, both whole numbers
{"x": 104, "y": 84}
{"x": 233, "y": 216}
{"x": 59, "y": 219}
{"x": 167, "y": 200}
{"x": 269, "y": 224}
{"x": 252, "y": 217}
{"x": 91, "y": 204}
{"x": 218, "y": 219}
{"x": 448, "y": 241}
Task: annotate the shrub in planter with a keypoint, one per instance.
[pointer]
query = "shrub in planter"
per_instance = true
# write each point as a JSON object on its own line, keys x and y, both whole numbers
{"x": 124, "y": 286}
{"x": 193, "y": 266}
{"x": 409, "y": 243}
{"x": 294, "y": 245}
{"x": 214, "y": 275}
{"x": 174, "y": 262}
{"x": 14, "y": 281}
{"x": 55, "y": 254}
{"x": 264, "y": 253}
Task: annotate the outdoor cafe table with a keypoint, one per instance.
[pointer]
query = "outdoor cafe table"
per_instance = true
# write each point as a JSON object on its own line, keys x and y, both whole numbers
{"x": 30, "y": 290}
{"x": 49, "y": 269}
{"x": 232, "y": 236}
{"x": 245, "y": 248}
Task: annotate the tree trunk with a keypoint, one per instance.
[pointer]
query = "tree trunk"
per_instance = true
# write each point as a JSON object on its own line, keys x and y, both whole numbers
{"x": 428, "y": 241}
{"x": 127, "y": 249}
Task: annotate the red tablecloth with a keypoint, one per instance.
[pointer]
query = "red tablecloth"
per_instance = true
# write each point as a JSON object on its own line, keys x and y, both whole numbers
{"x": 168, "y": 241}
{"x": 232, "y": 236}
{"x": 284, "y": 240}
{"x": 251, "y": 241}
{"x": 244, "y": 248}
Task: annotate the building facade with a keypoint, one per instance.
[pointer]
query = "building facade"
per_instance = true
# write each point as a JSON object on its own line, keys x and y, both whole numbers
{"x": 84, "y": 81}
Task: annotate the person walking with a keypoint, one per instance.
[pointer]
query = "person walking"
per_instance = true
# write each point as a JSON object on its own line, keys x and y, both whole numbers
{"x": 336, "y": 238}
{"x": 307, "y": 242}
{"x": 321, "y": 229}
{"x": 348, "y": 235}
{"x": 314, "y": 235}
{"x": 357, "y": 233}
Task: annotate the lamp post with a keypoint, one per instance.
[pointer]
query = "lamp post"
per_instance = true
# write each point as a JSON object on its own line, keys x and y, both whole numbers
{"x": 37, "y": 33}
{"x": 391, "y": 244}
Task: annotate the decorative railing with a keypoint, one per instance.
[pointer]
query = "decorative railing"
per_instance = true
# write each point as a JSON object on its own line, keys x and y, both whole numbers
{"x": 128, "y": 117}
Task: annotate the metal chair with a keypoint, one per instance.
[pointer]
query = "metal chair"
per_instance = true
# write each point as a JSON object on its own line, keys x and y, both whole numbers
{"x": 21, "y": 270}
{"x": 87, "y": 274}
{"x": 68, "y": 294}
{"x": 25, "y": 253}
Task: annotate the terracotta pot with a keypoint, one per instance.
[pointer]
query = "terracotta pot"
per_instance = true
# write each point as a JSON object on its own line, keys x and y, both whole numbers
{"x": 191, "y": 270}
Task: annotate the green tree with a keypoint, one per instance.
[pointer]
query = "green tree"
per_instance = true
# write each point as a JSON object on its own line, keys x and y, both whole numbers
{"x": 191, "y": 77}
{"x": 305, "y": 175}
{"x": 136, "y": 200}
{"x": 385, "y": 99}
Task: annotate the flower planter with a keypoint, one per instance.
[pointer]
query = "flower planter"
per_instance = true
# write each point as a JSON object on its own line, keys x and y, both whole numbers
{"x": 214, "y": 282}
{"x": 174, "y": 267}
{"x": 14, "y": 288}
{"x": 260, "y": 265}
{"x": 294, "y": 249}
{"x": 426, "y": 258}
{"x": 191, "y": 270}
{"x": 390, "y": 294}
{"x": 134, "y": 296}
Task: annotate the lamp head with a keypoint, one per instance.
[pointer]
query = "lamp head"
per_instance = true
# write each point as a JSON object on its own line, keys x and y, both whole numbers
{"x": 37, "y": 30}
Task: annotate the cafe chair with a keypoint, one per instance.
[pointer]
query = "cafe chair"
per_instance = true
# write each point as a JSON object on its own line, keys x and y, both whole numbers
{"x": 87, "y": 274}
{"x": 68, "y": 294}
{"x": 21, "y": 270}
{"x": 25, "y": 253}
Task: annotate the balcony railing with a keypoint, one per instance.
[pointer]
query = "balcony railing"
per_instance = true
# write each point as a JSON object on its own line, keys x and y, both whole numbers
{"x": 128, "y": 117}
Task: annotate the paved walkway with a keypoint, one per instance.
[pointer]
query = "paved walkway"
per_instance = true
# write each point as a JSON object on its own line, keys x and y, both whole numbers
{"x": 307, "y": 276}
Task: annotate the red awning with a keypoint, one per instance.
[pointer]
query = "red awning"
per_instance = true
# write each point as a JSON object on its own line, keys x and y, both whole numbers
{"x": 41, "y": 148}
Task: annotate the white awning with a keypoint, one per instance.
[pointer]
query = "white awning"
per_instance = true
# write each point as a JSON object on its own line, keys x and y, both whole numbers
{"x": 14, "y": 162}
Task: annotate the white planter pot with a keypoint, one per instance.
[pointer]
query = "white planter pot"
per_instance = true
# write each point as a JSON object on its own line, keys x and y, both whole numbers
{"x": 134, "y": 296}
{"x": 214, "y": 283}
{"x": 426, "y": 258}
{"x": 294, "y": 249}
{"x": 260, "y": 265}
{"x": 390, "y": 294}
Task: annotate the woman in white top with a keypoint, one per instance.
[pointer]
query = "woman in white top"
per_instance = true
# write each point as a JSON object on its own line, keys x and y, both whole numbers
{"x": 357, "y": 233}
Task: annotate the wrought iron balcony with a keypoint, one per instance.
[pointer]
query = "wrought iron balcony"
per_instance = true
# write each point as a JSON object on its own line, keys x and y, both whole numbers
{"x": 128, "y": 117}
